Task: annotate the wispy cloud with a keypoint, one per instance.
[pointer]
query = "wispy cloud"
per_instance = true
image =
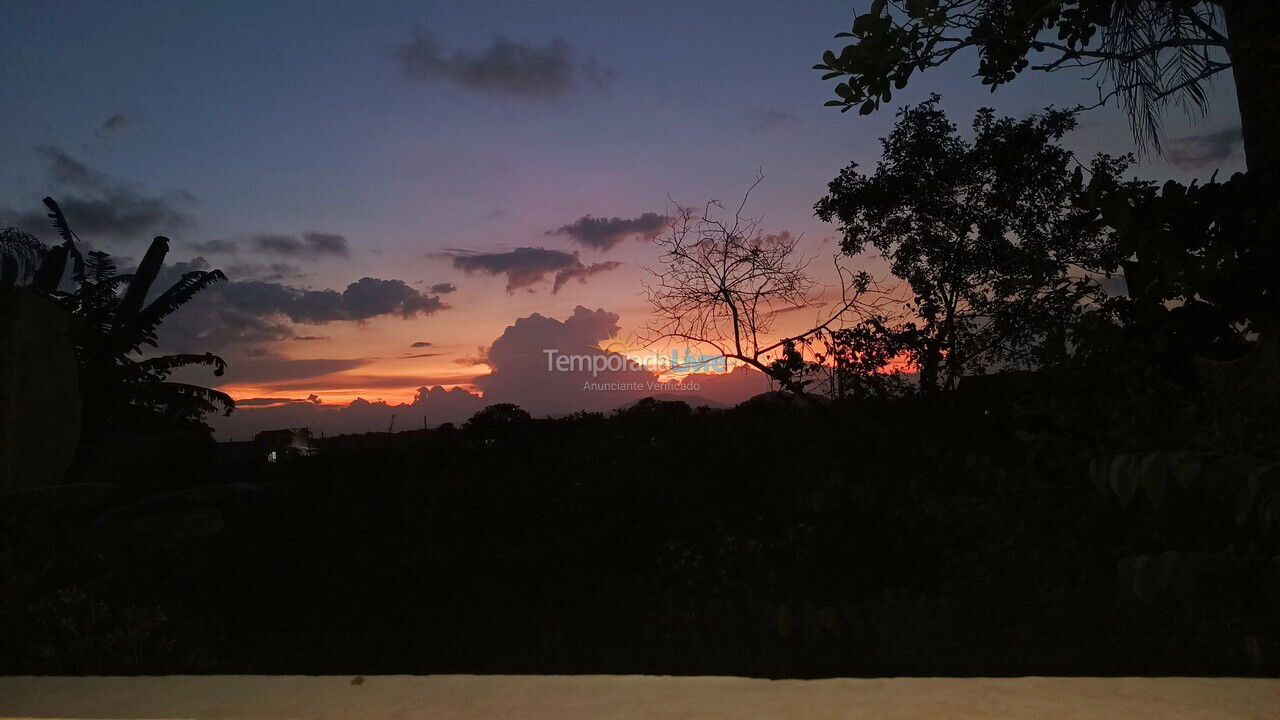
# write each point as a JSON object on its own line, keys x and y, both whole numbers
{"x": 770, "y": 118}
{"x": 582, "y": 272}
{"x": 215, "y": 247}
{"x": 117, "y": 124}
{"x": 1195, "y": 151}
{"x": 312, "y": 244}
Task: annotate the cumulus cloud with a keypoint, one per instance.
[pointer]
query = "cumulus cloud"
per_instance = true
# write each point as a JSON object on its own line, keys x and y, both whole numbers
{"x": 310, "y": 338}
{"x": 311, "y": 245}
{"x": 421, "y": 344}
{"x": 97, "y": 207}
{"x": 1203, "y": 149}
{"x": 581, "y": 272}
{"x": 520, "y": 372}
{"x": 506, "y": 67}
{"x": 604, "y": 233}
{"x": 443, "y": 288}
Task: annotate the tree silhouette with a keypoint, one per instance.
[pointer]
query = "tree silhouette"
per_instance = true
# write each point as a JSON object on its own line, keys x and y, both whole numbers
{"x": 1199, "y": 262}
{"x": 855, "y": 362}
{"x": 1146, "y": 53}
{"x": 722, "y": 283}
{"x": 497, "y": 420}
{"x": 115, "y": 323}
{"x": 985, "y": 233}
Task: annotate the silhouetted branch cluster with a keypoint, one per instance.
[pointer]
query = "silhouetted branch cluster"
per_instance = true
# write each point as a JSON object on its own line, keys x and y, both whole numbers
{"x": 722, "y": 283}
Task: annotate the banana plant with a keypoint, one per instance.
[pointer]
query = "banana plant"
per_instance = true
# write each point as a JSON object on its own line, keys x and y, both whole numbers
{"x": 116, "y": 324}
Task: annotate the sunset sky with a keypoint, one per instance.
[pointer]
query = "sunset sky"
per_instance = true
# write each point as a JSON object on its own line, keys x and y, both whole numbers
{"x": 438, "y": 165}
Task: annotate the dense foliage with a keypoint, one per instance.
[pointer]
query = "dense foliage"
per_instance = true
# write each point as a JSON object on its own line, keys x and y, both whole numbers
{"x": 985, "y": 234}
{"x": 960, "y": 533}
{"x": 115, "y": 320}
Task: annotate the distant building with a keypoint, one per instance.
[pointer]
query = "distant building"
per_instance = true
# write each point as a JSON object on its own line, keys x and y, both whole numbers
{"x": 288, "y": 442}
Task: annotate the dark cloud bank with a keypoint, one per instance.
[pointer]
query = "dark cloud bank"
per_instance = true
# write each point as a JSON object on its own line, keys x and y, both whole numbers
{"x": 604, "y": 233}
{"x": 100, "y": 208}
{"x": 249, "y": 312}
{"x": 506, "y": 67}
{"x": 528, "y": 266}
{"x": 215, "y": 247}
{"x": 312, "y": 244}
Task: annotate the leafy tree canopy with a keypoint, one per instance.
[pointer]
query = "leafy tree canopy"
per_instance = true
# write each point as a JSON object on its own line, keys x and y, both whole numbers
{"x": 1146, "y": 53}
{"x": 985, "y": 233}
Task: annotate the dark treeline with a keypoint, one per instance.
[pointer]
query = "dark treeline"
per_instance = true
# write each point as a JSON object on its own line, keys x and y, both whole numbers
{"x": 956, "y": 534}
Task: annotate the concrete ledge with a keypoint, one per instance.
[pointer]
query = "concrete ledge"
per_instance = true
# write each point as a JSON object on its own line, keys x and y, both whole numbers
{"x": 599, "y": 697}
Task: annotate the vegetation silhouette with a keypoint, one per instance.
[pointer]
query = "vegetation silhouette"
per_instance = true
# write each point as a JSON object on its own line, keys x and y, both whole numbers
{"x": 720, "y": 284}
{"x": 113, "y": 321}
{"x": 1085, "y": 482}
{"x": 998, "y": 258}
{"x": 1145, "y": 53}
{"x": 95, "y": 440}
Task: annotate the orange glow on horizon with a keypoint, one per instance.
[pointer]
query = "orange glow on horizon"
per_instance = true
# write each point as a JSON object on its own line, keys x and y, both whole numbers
{"x": 342, "y": 388}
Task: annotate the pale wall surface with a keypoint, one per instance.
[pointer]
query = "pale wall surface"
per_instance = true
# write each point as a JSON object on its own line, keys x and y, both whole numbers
{"x": 458, "y": 697}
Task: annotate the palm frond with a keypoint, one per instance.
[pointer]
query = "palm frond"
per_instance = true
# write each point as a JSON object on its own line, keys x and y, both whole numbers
{"x": 208, "y": 399}
{"x": 96, "y": 302}
{"x": 21, "y": 253}
{"x": 69, "y": 238}
{"x": 147, "y": 272}
{"x": 99, "y": 266}
{"x": 1154, "y": 60}
{"x": 142, "y": 329}
{"x": 162, "y": 366}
